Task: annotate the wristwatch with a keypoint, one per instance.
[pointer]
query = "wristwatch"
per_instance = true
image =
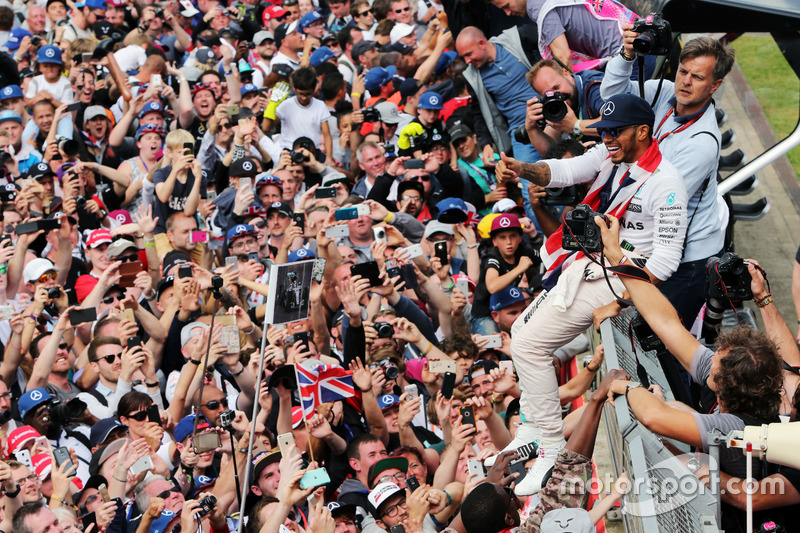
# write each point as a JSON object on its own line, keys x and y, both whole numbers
{"x": 630, "y": 387}
{"x": 576, "y": 128}
{"x": 13, "y": 494}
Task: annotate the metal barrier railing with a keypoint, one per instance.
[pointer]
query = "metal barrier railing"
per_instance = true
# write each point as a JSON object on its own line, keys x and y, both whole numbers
{"x": 659, "y": 502}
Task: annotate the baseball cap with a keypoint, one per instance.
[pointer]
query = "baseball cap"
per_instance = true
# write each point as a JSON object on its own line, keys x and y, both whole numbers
{"x": 624, "y": 110}
{"x": 265, "y": 178}
{"x": 206, "y": 56}
{"x": 362, "y": 46}
{"x": 185, "y": 427}
{"x": 174, "y": 258}
{"x": 445, "y": 61}
{"x": 301, "y": 254}
{"x": 120, "y": 245}
{"x": 9, "y": 114}
{"x": 94, "y": 111}
{"x": 120, "y": 216}
{"x": 244, "y": 166}
{"x": 485, "y": 225}
{"x": 187, "y": 331}
{"x": 383, "y": 492}
{"x": 281, "y": 207}
{"x": 263, "y": 460}
{"x": 49, "y": 54}
{"x": 152, "y": 107}
{"x": 286, "y": 374}
{"x": 452, "y": 211}
{"x": 321, "y": 55}
{"x": 187, "y": 9}
{"x": 103, "y": 428}
{"x": 399, "y": 31}
{"x": 504, "y": 222}
{"x": 41, "y": 465}
{"x": 481, "y": 367}
{"x": 84, "y": 285}
{"x": 430, "y": 100}
{"x": 11, "y": 91}
{"x": 400, "y": 463}
{"x": 578, "y": 519}
{"x": 102, "y": 29}
{"x": 20, "y": 437}
{"x": 31, "y": 399}
{"x": 40, "y": 170}
{"x": 505, "y": 297}
{"x": 434, "y": 226}
{"x": 308, "y": 19}
{"x": 470, "y": 284}
{"x": 98, "y": 237}
{"x": 409, "y": 184}
{"x": 283, "y": 30}
{"x": 104, "y": 454}
{"x": 94, "y": 4}
{"x": 262, "y": 36}
{"x": 399, "y": 47}
{"x": 459, "y": 132}
{"x": 505, "y": 205}
{"x": 15, "y": 37}
{"x": 164, "y": 284}
{"x": 389, "y": 112}
{"x": 239, "y": 230}
{"x": 273, "y": 12}
{"x": 408, "y": 87}
{"x": 34, "y": 270}
{"x": 378, "y": 77}
{"x": 150, "y": 128}
{"x": 338, "y": 509}
{"x": 388, "y": 400}
{"x": 248, "y": 88}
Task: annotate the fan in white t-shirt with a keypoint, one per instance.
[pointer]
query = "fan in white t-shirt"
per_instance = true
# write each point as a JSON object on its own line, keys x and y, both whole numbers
{"x": 50, "y": 84}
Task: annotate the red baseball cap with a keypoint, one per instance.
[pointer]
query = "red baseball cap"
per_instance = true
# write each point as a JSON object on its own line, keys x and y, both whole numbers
{"x": 504, "y": 222}
{"x": 41, "y": 465}
{"x": 297, "y": 416}
{"x": 20, "y": 436}
{"x": 273, "y": 12}
{"x": 83, "y": 286}
{"x": 98, "y": 237}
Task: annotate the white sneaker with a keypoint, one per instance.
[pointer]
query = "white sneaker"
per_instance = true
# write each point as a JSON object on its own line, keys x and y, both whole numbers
{"x": 533, "y": 481}
{"x": 527, "y": 433}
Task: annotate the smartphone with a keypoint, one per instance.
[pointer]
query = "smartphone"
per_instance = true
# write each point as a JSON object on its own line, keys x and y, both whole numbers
{"x": 380, "y": 234}
{"x": 325, "y": 192}
{"x": 6, "y": 312}
{"x": 441, "y": 366}
{"x": 103, "y": 490}
{"x": 133, "y": 341}
{"x": 334, "y": 232}
{"x": 415, "y": 250}
{"x": 198, "y": 236}
{"x": 189, "y": 147}
{"x": 397, "y": 529}
{"x": 368, "y": 270}
{"x": 142, "y": 465}
{"x": 412, "y": 483}
{"x": 412, "y": 392}
{"x": 89, "y": 519}
{"x": 232, "y": 110}
{"x": 75, "y": 106}
{"x": 492, "y": 341}
{"x": 127, "y": 314}
{"x": 507, "y": 366}
{"x": 128, "y": 272}
{"x": 409, "y": 275}
{"x": 286, "y": 443}
{"x": 463, "y": 285}
{"x": 300, "y": 220}
{"x": 467, "y": 414}
{"x": 476, "y": 467}
{"x": 232, "y": 260}
{"x": 155, "y": 80}
{"x": 440, "y": 251}
{"x": 350, "y": 213}
{"x": 448, "y": 384}
{"x": 153, "y": 415}
{"x": 315, "y": 478}
{"x": 33, "y": 227}
{"x": 86, "y": 58}
{"x": 318, "y": 271}
{"x": 185, "y": 271}
{"x": 312, "y": 501}
{"x": 392, "y": 269}
{"x": 246, "y": 183}
{"x": 302, "y": 338}
{"x": 414, "y": 164}
{"x": 61, "y": 455}
{"x": 206, "y": 442}
{"x": 79, "y": 316}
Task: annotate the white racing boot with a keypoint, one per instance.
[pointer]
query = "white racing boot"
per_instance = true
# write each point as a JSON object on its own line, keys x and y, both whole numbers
{"x": 534, "y": 480}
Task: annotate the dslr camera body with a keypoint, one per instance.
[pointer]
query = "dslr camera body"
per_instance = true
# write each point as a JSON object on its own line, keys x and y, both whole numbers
{"x": 728, "y": 278}
{"x": 554, "y": 108}
{"x": 655, "y": 35}
{"x": 390, "y": 371}
{"x": 581, "y": 231}
{"x": 371, "y": 114}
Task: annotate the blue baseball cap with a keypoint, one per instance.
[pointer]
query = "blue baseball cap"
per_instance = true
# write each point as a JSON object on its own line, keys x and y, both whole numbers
{"x": 445, "y": 61}
{"x": 15, "y": 37}
{"x": 31, "y": 399}
{"x": 94, "y": 4}
{"x": 49, "y": 54}
{"x": 321, "y": 55}
{"x": 10, "y": 114}
{"x": 625, "y": 110}
{"x": 239, "y": 230}
{"x": 103, "y": 428}
{"x": 430, "y": 100}
{"x": 309, "y": 18}
{"x": 185, "y": 427}
{"x": 152, "y": 107}
{"x": 506, "y": 297}
{"x": 452, "y": 211}
{"x": 388, "y": 400}
{"x": 378, "y": 77}
{"x": 11, "y": 91}
{"x": 249, "y": 88}
{"x": 301, "y": 254}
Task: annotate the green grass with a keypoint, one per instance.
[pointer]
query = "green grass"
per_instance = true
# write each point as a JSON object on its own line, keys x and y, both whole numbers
{"x": 775, "y": 85}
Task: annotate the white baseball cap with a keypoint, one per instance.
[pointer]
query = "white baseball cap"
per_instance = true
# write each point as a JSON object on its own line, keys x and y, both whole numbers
{"x": 383, "y": 492}
{"x": 34, "y": 270}
{"x": 399, "y": 31}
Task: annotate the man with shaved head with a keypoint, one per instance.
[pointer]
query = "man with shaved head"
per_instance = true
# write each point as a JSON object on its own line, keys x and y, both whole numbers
{"x": 496, "y": 80}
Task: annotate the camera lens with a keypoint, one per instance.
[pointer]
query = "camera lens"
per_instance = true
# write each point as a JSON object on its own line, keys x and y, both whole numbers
{"x": 521, "y": 135}
{"x": 554, "y": 110}
{"x": 643, "y": 44}
{"x": 391, "y": 372}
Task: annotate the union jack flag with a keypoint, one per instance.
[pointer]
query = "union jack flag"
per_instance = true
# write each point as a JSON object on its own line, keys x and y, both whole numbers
{"x": 318, "y": 384}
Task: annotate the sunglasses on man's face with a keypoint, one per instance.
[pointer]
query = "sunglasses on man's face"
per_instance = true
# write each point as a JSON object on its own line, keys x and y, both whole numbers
{"x": 614, "y": 132}
{"x": 110, "y": 359}
{"x": 402, "y": 10}
{"x": 44, "y": 278}
{"x": 365, "y": 13}
{"x": 139, "y": 416}
{"x": 130, "y": 258}
{"x": 213, "y": 405}
{"x": 164, "y": 494}
{"x": 108, "y": 300}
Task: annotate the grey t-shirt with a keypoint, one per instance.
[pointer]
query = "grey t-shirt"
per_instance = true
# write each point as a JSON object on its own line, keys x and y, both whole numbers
{"x": 585, "y": 34}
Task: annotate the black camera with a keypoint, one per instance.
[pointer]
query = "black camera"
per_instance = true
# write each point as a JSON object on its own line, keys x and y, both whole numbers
{"x": 521, "y": 135}
{"x": 206, "y": 504}
{"x": 580, "y": 231}
{"x": 422, "y": 142}
{"x": 554, "y": 106}
{"x": 389, "y": 150}
{"x": 298, "y": 158}
{"x": 647, "y": 338}
{"x": 36, "y": 40}
{"x": 159, "y": 13}
{"x": 65, "y": 411}
{"x": 5, "y": 416}
{"x": 80, "y": 202}
{"x": 371, "y": 114}
{"x": 70, "y": 147}
{"x": 728, "y": 282}
{"x": 249, "y": 45}
{"x": 53, "y": 292}
{"x": 655, "y": 35}
{"x": 390, "y": 371}
{"x": 561, "y": 196}
{"x": 5, "y": 157}
{"x": 385, "y": 330}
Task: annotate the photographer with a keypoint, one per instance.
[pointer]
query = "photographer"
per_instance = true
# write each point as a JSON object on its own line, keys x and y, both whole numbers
{"x": 631, "y": 177}
{"x": 688, "y": 136}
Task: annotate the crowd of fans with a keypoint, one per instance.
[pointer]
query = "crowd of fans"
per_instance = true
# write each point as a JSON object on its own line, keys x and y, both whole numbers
{"x": 162, "y": 161}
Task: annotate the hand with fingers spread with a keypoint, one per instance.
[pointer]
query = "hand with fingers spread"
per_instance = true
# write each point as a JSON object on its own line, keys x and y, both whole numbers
{"x": 362, "y": 376}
